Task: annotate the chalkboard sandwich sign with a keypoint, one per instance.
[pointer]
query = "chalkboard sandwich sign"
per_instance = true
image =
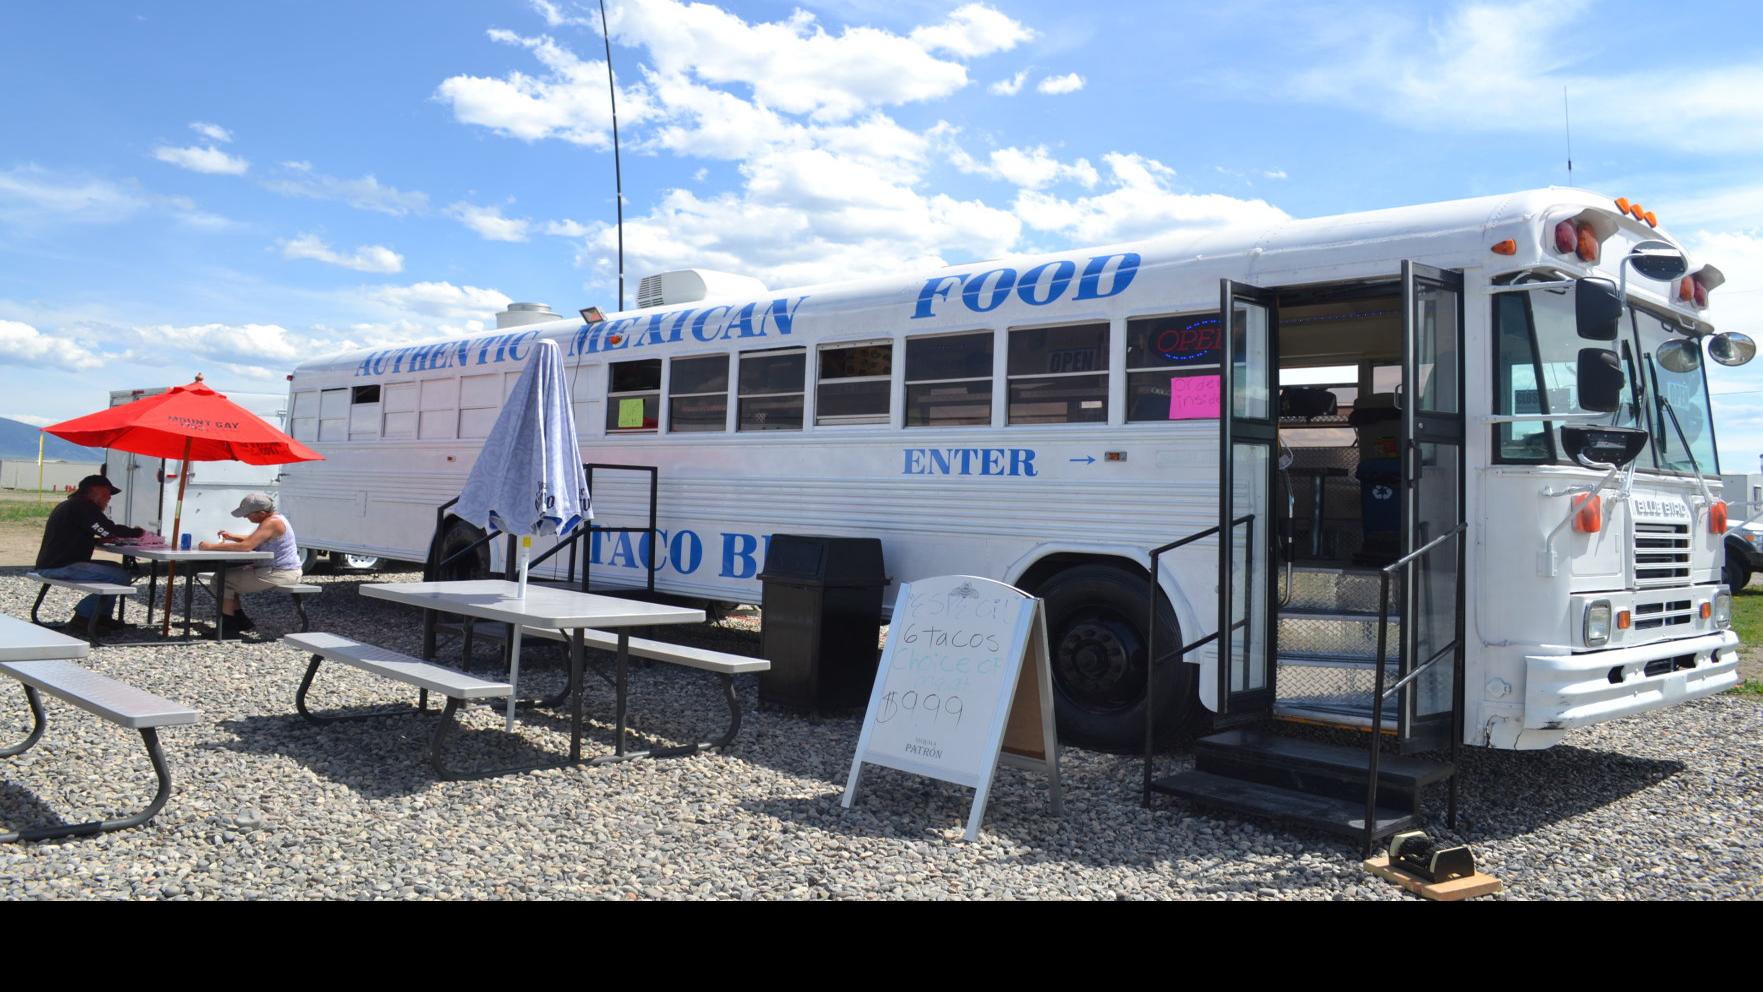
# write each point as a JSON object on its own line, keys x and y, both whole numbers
{"x": 963, "y": 686}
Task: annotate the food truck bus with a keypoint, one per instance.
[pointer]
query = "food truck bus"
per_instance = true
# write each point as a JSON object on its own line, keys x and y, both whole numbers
{"x": 1504, "y": 394}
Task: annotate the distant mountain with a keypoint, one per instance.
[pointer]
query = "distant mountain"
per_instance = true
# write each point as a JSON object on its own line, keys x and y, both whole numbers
{"x": 19, "y": 441}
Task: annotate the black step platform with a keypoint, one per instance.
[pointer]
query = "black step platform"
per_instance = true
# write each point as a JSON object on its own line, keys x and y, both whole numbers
{"x": 1327, "y": 770}
{"x": 1337, "y": 816}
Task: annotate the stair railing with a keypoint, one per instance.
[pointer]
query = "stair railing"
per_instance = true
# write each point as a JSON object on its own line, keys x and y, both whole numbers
{"x": 1379, "y": 693}
{"x": 1180, "y": 653}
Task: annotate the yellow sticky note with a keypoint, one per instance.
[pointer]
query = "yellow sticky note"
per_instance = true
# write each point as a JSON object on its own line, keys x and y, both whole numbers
{"x": 630, "y": 413}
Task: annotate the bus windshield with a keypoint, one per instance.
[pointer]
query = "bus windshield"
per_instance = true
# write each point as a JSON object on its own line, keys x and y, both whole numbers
{"x": 1682, "y": 422}
{"x": 1537, "y": 371}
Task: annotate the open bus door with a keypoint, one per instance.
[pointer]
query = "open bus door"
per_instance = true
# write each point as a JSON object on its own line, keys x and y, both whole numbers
{"x": 1248, "y": 459}
{"x": 1431, "y": 597}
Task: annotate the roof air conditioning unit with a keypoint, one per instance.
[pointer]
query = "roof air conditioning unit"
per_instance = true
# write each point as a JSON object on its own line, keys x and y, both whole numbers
{"x": 692, "y": 285}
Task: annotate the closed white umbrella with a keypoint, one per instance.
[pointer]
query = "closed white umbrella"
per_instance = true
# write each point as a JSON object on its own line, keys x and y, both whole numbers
{"x": 528, "y": 480}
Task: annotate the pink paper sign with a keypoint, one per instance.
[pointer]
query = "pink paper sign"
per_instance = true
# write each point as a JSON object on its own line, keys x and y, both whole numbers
{"x": 1194, "y": 397}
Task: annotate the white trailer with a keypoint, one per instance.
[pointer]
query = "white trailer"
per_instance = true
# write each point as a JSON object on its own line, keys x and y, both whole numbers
{"x": 1529, "y": 432}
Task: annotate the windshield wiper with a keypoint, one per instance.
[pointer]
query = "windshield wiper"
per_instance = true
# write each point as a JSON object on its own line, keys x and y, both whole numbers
{"x": 1665, "y": 404}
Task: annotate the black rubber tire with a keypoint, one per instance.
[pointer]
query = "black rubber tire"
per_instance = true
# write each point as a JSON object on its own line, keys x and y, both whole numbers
{"x": 367, "y": 563}
{"x": 1096, "y": 617}
{"x": 308, "y": 559}
{"x": 1737, "y": 574}
{"x": 476, "y": 566}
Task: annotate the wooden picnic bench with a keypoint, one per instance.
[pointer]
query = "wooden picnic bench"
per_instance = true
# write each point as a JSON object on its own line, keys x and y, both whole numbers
{"x": 117, "y": 702}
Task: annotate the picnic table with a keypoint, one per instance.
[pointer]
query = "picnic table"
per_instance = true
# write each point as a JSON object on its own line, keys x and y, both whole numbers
{"x": 565, "y": 611}
{"x": 43, "y": 662}
{"x": 220, "y": 560}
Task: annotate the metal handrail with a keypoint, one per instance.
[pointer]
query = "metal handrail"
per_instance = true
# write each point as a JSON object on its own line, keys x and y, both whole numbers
{"x": 1151, "y": 657}
{"x": 1379, "y": 693}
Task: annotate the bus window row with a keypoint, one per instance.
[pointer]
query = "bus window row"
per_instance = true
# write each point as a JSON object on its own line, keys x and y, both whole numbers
{"x": 1054, "y": 375}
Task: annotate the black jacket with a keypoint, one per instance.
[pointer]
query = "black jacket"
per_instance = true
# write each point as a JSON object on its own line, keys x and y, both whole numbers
{"x": 74, "y": 529}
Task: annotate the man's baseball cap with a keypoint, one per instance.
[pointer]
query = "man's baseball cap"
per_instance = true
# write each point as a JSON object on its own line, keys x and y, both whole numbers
{"x": 254, "y": 503}
{"x": 94, "y": 481}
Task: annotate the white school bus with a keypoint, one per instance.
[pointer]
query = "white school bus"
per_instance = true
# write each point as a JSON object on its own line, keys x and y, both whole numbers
{"x": 1503, "y": 394}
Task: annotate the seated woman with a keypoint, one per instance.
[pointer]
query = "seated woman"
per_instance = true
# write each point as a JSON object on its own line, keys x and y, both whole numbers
{"x": 273, "y": 534}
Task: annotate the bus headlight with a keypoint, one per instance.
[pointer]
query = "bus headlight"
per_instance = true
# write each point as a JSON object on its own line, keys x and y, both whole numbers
{"x": 1723, "y": 610}
{"x": 1597, "y": 624}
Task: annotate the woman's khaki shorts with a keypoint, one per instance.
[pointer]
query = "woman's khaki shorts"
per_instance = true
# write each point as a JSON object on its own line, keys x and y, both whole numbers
{"x": 253, "y": 578}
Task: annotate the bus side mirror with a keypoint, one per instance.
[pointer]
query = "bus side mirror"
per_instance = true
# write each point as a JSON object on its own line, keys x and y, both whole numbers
{"x": 1732, "y": 348}
{"x": 1597, "y": 309}
{"x": 1600, "y": 380}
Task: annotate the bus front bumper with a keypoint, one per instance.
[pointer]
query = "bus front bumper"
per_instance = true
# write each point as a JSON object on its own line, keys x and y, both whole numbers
{"x": 1565, "y": 691}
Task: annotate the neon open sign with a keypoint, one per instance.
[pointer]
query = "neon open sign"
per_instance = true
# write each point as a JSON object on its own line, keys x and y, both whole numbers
{"x": 1192, "y": 341}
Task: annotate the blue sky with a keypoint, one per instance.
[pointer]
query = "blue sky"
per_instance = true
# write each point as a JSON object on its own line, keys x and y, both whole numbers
{"x": 233, "y": 188}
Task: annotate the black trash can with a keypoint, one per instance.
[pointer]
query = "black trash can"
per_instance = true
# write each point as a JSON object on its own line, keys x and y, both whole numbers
{"x": 821, "y": 621}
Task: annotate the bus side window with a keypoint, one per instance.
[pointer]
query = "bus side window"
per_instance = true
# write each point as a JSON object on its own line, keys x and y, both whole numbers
{"x": 305, "y": 416}
{"x": 1059, "y": 375}
{"x": 364, "y": 413}
{"x": 633, "y": 396}
{"x": 697, "y": 394}
{"x": 438, "y": 415}
{"x": 856, "y": 383}
{"x": 400, "y": 410}
{"x": 333, "y": 415}
{"x": 1160, "y": 350}
{"x": 772, "y": 390}
{"x": 480, "y": 403}
{"x": 949, "y": 380}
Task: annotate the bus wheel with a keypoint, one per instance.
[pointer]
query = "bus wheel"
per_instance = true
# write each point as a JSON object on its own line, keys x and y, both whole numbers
{"x": 1096, "y": 632}
{"x": 356, "y": 563}
{"x": 1736, "y": 574}
{"x": 476, "y": 565}
{"x": 307, "y": 558}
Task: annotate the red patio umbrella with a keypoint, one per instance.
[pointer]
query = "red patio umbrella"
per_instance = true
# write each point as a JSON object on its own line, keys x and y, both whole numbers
{"x": 191, "y": 423}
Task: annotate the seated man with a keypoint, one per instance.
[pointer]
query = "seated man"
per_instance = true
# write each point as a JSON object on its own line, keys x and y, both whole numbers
{"x": 74, "y": 529}
{"x": 273, "y": 534}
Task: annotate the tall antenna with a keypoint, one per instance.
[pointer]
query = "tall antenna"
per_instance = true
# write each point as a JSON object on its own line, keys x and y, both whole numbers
{"x": 618, "y": 168}
{"x": 1566, "y": 121}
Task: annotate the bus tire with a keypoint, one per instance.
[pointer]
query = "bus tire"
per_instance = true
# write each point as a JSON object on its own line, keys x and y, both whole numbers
{"x": 1737, "y": 574}
{"x": 1096, "y": 617}
{"x": 308, "y": 558}
{"x": 458, "y": 537}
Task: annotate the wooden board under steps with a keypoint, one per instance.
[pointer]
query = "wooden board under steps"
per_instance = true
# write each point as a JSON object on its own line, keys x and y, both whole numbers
{"x": 1478, "y": 884}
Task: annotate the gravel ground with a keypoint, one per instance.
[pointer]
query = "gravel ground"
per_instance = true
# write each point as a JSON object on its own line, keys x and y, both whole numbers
{"x": 268, "y": 806}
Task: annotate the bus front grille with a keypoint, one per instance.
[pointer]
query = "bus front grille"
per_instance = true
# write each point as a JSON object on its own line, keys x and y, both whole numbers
{"x": 1661, "y": 554}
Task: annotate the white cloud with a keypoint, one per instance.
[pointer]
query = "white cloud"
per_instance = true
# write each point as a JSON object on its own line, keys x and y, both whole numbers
{"x": 208, "y": 159}
{"x": 1141, "y": 204}
{"x": 440, "y": 301}
{"x": 213, "y": 132}
{"x": 1473, "y": 70}
{"x": 365, "y": 193}
{"x": 489, "y": 223}
{"x": 242, "y": 344}
{"x": 971, "y": 31}
{"x": 367, "y": 258}
{"x": 569, "y": 103}
{"x": 1011, "y": 86}
{"x": 29, "y": 192}
{"x": 25, "y": 345}
{"x": 565, "y": 228}
{"x": 1071, "y": 82}
{"x": 1030, "y": 168}
{"x": 556, "y": 16}
{"x": 29, "y": 418}
{"x": 33, "y": 197}
{"x": 1274, "y": 174}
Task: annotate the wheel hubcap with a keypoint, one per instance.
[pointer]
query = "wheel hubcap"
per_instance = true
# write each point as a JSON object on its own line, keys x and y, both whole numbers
{"x": 1095, "y": 663}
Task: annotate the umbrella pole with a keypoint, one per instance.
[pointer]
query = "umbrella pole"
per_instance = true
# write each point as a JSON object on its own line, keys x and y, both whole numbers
{"x": 526, "y": 549}
{"x": 177, "y": 523}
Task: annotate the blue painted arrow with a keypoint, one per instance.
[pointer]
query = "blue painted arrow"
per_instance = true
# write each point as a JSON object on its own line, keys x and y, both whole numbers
{"x": 1087, "y": 459}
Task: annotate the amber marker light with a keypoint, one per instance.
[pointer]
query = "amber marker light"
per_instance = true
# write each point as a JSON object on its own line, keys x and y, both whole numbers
{"x": 1624, "y": 620}
{"x": 1707, "y": 610}
{"x": 1652, "y": 221}
{"x": 1506, "y": 247}
{"x": 1622, "y": 204}
{"x": 1717, "y": 518}
{"x": 1589, "y": 518}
